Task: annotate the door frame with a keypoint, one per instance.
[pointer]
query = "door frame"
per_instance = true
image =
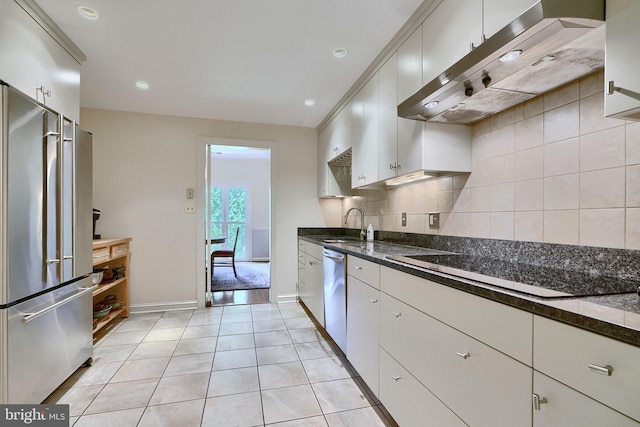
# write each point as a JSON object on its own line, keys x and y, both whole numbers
{"x": 202, "y": 281}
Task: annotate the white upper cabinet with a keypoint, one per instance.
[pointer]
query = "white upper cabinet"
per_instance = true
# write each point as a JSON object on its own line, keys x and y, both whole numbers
{"x": 31, "y": 59}
{"x": 333, "y": 141}
{"x": 500, "y": 13}
{"x": 388, "y": 118}
{"x": 364, "y": 134}
{"x": 622, "y": 87}
{"x": 448, "y": 34}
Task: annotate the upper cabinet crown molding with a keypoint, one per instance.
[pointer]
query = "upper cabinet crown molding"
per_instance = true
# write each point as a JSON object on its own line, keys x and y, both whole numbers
{"x": 39, "y": 15}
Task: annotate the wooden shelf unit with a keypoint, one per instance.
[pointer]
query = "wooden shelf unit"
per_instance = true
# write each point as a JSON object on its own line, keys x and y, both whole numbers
{"x": 111, "y": 253}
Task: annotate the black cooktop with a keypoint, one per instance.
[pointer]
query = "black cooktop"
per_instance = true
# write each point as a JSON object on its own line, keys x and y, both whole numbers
{"x": 535, "y": 280}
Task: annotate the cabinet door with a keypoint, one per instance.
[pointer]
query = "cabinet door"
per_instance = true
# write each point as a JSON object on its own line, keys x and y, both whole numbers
{"x": 31, "y": 58}
{"x": 363, "y": 330}
{"x": 323, "y": 157}
{"x": 500, "y": 13}
{"x": 408, "y": 401}
{"x": 448, "y": 33}
{"x": 388, "y": 119}
{"x": 621, "y": 66}
{"x": 341, "y": 136}
{"x": 315, "y": 288}
{"x": 566, "y": 407}
{"x": 364, "y": 134}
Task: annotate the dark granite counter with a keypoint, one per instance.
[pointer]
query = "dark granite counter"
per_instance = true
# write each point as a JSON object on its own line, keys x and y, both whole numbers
{"x": 614, "y": 316}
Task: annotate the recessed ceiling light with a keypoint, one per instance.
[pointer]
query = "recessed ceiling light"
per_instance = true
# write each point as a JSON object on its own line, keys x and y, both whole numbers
{"x": 309, "y": 102}
{"x": 510, "y": 56}
{"x": 87, "y": 12}
{"x": 340, "y": 52}
{"x": 142, "y": 85}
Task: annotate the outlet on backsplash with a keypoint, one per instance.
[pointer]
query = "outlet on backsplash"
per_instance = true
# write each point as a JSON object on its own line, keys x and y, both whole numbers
{"x": 404, "y": 219}
{"x": 434, "y": 220}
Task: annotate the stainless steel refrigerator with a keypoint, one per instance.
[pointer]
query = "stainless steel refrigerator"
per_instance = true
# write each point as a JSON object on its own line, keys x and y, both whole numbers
{"x": 45, "y": 248}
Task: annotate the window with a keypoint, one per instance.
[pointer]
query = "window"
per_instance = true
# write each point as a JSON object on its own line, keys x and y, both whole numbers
{"x": 228, "y": 209}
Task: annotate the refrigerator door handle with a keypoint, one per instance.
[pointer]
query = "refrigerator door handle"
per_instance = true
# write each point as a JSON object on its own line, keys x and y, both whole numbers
{"x": 31, "y": 316}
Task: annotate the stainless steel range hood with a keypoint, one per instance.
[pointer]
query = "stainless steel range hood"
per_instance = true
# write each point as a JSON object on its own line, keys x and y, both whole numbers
{"x": 560, "y": 41}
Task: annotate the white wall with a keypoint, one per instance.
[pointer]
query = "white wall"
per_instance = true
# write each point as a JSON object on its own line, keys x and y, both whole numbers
{"x": 142, "y": 166}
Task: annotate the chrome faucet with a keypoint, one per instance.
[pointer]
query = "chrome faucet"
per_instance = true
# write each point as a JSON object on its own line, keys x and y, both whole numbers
{"x": 363, "y": 232}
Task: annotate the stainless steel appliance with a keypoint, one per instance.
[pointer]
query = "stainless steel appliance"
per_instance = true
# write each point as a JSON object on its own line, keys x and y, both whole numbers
{"x": 335, "y": 297}
{"x": 45, "y": 248}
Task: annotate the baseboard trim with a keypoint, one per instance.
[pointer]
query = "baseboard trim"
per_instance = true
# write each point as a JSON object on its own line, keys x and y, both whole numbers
{"x": 166, "y": 306}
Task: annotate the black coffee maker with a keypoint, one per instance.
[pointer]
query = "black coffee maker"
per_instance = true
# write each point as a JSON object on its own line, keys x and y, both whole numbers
{"x": 96, "y": 216}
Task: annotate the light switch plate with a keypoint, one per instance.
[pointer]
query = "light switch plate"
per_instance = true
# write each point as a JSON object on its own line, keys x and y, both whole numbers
{"x": 190, "y": 194}
{"x": 434, "y": 220}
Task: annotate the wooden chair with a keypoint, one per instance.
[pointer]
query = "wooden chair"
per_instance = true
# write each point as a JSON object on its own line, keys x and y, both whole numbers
{"x": 226, "y": 253}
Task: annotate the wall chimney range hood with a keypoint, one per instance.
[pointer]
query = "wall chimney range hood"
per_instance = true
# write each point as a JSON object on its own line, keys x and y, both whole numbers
{"x": 554, "y": 42}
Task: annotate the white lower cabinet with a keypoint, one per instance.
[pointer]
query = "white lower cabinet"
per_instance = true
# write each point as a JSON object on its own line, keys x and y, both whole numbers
{"x": 311, "y": 279}
{"x": 363, "y": 330}
{"x": 482, "y": 386}
{"x": 408, "y": 401}
{"x": 561, "y": 406}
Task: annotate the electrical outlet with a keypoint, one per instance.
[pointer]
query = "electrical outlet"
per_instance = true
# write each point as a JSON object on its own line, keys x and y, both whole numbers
{"x": 190, "y": 194}
{"x": 434, "y": 220}
{"x": 190, "y": 208}
{"x": 404, "y": 219}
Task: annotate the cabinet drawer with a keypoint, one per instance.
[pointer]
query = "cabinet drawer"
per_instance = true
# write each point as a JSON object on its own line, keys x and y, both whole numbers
{"x": 313, "y": 250}
{"x": 408, "y": 401}
{"x": 119, "y": 250}
{"x": 365, "y": 271}
{"x": 566, "y": 353}
{"x": 566, "y": 407}
{"x": 502, "y": 327}
{"x": 465, "y": 374}
{"x": 100, "y": 255}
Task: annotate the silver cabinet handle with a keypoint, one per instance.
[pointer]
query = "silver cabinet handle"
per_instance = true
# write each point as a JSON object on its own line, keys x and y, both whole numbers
{"x": 604, "y": 370}
{"x": 395, "y": 378}
{"x": 465, "y": 356}
{"x": 373, "y": 301}
{"x": 53, "y": 261}
{"x": 611, "y": 87}
{"x": 312, "y": 263}
{"x": 537, "y": 401}
{"x": 396, "y": 314}
{"x": 28, "y": 317}
{"x": 358, "y": 268}
{"x": 67, "y": 257}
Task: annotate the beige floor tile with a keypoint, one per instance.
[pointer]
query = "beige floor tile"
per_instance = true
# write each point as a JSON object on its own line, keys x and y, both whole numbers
{"x": 154, "y": 349}
{"x": 124, "y": 418}
{"x": 314, "y": 350}
{"x": 125, "y": 337}
{"x": 199, "y": 319}
{"x": 236, "y": 328}
{"x": 233, "y": 381}
{"x": 269, "y": 325}
{"x": 196, "y": 345}
{"x": 183, "y": 414}
{"x": 266, "y": 315}
{"x": 99, "y": 373}
{"x": 233, "y": 410}
{"x": 112, "y": 353}
{"x": 363, "y": 417}
{"x": 325, "y": 369}
{"x": 78, "y": 398}
{"x": 236, "y": 317}
{"x": 267, "y": 339}
{"x": 234, "y": 359}
{"x": 303, "y": 422}
{"x": 139, "y": 322}
{"x": 277, "y": 354}
{"x": 289, "y": 403}
{"x": 234, "y": 309}
{"x": 143, "y": 369}
{"x": 119, "y": 396}
{"x": 282, "y": 375}
{"x": 180, "y": 388}
{"x": 264, "y": 307}
{"x": 171, "y": 322}
{"x": 298, "y": 323}
{"x": 168, "y": 334}
{"x": 306, "y": 335}
{"x": 189, "y": 364}
{"x": 290, "y": 310}
{"x": 201, "y": 331}
{"x": 235, "y": 342}
{"x": 339, "y": 395}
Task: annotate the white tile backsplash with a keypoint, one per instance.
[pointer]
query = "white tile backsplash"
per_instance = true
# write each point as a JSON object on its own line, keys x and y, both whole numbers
{"x": 551, "y": 169}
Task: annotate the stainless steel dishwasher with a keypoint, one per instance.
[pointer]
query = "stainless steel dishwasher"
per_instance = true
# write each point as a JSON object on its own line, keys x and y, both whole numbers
{"x": 335, "y": 297}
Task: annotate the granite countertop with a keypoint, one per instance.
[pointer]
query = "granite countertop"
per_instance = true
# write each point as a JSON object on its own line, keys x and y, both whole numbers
{"x": 614, "y": 316}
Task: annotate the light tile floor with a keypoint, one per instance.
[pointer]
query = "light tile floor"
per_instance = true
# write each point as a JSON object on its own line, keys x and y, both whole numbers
{"x": 242, "y": 365}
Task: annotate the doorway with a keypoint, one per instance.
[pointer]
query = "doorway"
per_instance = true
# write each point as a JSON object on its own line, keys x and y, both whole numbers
{"x": 237, "y": 221}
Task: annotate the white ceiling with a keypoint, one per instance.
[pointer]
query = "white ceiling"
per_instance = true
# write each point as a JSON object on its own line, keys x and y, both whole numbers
{"x": 246, "y": 60}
